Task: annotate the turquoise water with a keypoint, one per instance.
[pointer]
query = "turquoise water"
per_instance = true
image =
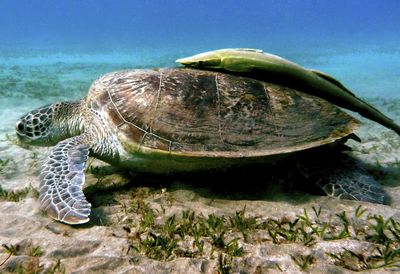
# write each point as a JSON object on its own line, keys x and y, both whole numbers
{"x": 53, "y": 50}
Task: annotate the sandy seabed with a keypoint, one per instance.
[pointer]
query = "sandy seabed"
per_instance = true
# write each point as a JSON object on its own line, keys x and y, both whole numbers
{"x": 252, "y": 228}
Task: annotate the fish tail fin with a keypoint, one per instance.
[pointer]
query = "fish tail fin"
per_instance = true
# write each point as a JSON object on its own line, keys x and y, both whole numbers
{"x": 374, "y": 114}
{"x": 363, "y": 108}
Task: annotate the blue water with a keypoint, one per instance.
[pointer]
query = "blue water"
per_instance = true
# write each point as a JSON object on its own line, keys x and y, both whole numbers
{"x": 288, "y": 25}
{"x": 53, "y": 50}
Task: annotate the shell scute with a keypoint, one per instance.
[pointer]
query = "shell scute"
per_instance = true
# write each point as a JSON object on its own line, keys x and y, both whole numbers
{"x": 206, "y": 113}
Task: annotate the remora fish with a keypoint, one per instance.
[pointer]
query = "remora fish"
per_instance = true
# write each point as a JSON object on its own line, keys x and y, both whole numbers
{"x": 268, "y": 67}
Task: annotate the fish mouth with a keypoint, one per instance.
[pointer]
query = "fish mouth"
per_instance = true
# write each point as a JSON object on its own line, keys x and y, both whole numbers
{"x": 188, "y": 62}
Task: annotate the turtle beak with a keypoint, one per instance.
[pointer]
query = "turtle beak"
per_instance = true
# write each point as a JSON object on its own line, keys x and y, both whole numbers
{"x": 19, "y": 139}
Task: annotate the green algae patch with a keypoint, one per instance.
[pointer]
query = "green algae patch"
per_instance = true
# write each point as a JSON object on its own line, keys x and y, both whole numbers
{"x": 16, "y": 196}
{"x": 225, "y": 237}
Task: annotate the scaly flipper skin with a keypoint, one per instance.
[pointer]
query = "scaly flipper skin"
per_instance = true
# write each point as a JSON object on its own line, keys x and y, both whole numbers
{"x": 268, "y": 67}
{"x": 61, "y": 181}
{"x": 341, "y": 176}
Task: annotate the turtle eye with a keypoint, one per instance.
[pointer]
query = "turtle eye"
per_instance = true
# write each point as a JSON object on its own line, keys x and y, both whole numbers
{"x": 20, "y": 126}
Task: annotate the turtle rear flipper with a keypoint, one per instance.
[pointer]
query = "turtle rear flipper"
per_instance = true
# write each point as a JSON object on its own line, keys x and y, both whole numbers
{"x": 353, "y": 185}
{"x": 341, "y": 176}
{"x": 61, "y": 181}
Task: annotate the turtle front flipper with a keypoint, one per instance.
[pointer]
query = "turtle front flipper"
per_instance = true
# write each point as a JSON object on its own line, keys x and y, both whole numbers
{"x": 61, "y": 181}
{"x": 341, "y": 176}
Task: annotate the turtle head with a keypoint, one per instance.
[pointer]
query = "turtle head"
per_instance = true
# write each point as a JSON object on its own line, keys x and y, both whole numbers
{"x": 49, "y": 124}
{"x": 36, "y": 126}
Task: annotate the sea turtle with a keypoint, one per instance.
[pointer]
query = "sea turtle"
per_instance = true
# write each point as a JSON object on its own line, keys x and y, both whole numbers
{"x": 172, "y": 120}
{"x": 268, "y": 67}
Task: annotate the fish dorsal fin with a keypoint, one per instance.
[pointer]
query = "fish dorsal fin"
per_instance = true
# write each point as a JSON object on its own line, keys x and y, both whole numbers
{"x": 249, "y": 50}
{"x": 332, "y": 80}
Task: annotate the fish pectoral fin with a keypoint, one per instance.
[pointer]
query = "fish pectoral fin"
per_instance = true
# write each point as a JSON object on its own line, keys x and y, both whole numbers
{"x": 332, "y": 80}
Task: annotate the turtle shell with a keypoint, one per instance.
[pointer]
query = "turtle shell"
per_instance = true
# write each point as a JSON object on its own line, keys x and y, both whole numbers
{"x": 212, "y": 114}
